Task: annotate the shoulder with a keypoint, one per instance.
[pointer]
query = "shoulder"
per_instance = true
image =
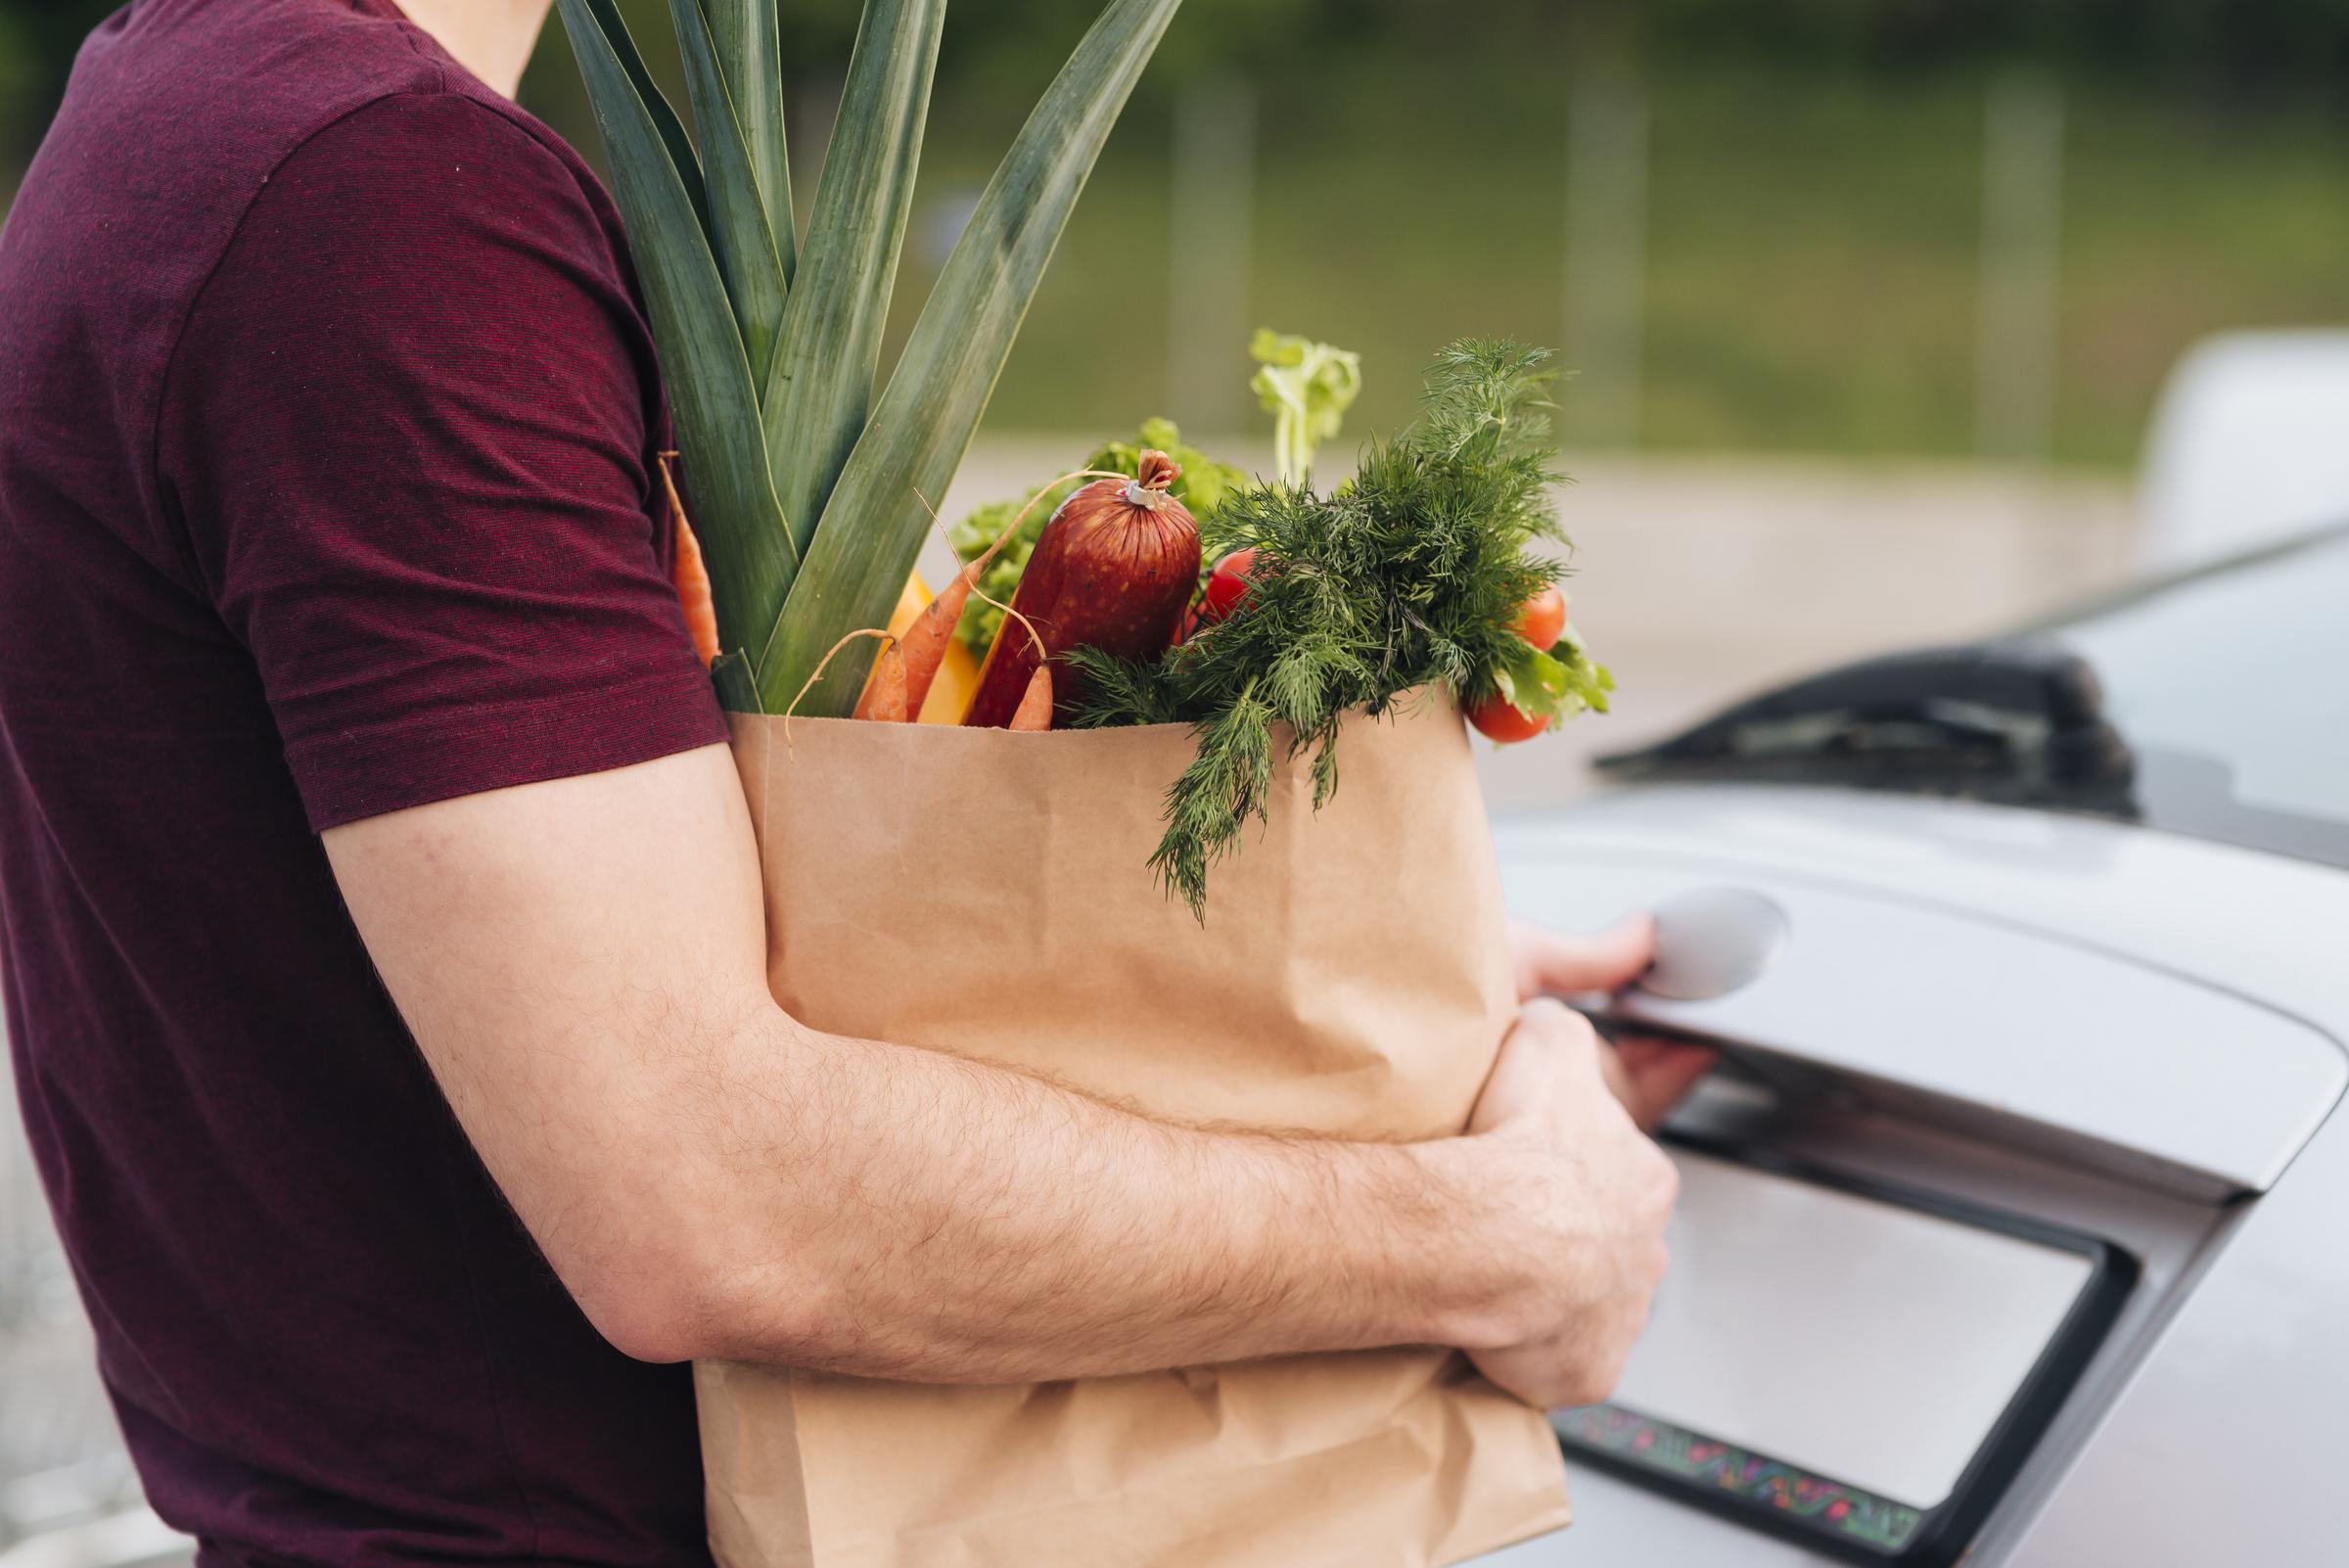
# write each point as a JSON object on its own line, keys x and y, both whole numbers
{"x": 207, "y": 145}
{"x": 421, "y": 228}
{"x": 430, "y": 269}
{"x": 430, "y": 246}
{"x": 439, "y": 160}
{"x": 220, "y": 91}
{"x": 191, "y": 122}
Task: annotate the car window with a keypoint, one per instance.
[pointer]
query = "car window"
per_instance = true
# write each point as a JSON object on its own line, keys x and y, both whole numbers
{"x": 2231, "y": 686}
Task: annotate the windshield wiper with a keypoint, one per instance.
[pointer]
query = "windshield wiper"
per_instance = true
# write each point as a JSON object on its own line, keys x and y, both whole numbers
{"x": 2013, "y": 718}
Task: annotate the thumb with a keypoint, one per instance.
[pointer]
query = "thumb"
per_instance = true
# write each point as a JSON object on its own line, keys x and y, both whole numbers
{"x": 1551, "y": 965}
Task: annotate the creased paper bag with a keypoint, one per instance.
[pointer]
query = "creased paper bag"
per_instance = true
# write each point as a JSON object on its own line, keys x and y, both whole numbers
{"x": 1352, "y": 980}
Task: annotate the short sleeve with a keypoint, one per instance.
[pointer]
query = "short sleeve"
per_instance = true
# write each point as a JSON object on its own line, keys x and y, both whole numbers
{"x": 410, "y": 429}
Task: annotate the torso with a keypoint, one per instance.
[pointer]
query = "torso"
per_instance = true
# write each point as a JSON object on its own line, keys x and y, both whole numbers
{"x": 328, "y": 1339}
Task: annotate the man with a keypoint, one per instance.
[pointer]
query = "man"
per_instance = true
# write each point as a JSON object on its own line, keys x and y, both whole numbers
{"x": 335, "y": 643}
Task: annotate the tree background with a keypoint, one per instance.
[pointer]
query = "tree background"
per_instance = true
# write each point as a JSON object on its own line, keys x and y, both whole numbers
{"x": 1813, "y": 234}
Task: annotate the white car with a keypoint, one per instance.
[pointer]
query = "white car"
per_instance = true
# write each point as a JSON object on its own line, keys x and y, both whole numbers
{"x": 2016, "y": 1225}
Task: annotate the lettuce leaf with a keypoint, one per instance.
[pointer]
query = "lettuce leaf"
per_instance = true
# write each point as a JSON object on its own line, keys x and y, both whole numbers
{"x": 1306, "y": 387}
{"x": 1556, "y": 683}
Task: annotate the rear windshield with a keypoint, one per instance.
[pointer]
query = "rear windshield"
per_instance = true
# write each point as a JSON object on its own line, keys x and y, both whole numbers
{"x": 2233, "y": 689}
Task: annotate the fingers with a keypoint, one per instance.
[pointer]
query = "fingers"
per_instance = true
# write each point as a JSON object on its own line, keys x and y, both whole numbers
{"x": 1549, "y": 1046}
{"x": 1553, "y": 965}
{"x": 1657, "y": 1075}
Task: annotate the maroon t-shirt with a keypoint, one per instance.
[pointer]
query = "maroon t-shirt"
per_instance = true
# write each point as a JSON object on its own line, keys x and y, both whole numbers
{"x": 327, "y": 419}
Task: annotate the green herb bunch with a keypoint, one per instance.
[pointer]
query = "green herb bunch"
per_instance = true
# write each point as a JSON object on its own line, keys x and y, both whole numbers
{"x": 1201, "y": 489}
{"x": 1408, "y": 579}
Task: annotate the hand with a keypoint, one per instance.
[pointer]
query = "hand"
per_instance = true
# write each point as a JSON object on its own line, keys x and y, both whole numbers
{"x": 1648, "y": 1076}
{"x": 1550, "y": 964}
{"x": 1576, "y": 1200}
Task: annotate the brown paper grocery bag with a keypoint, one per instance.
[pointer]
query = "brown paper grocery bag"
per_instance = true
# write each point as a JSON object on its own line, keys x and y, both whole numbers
{"x": 1358, "y": 960}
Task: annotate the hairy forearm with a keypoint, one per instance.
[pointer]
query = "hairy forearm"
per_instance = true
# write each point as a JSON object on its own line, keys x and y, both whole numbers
{"x": 921, "y": 1215}
{"x": 582, "y": 963}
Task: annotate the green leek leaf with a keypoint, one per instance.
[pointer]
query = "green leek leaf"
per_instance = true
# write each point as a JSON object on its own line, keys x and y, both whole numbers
{"x": 730, "y": 673}
{"x": 615, "y": 31}
{"x": 713, "y": 397}
{"x": 874, "y": 524}
{"x": 821, "y": 386}
{"x": 751, "y": 54}
{"x": 738, "y": 231}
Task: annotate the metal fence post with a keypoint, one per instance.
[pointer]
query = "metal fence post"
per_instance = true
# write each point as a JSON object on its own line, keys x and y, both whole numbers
{"x": 1212, "y": 230}
{"x": 2022, "y": 233}
{"x": 1606, "y": 257}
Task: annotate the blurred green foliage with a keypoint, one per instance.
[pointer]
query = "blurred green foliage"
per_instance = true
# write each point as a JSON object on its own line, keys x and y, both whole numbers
{"x": 2217, "y": 44}
{"x": 38, "y": 41}
{"x": 2224, "y": 47}
{"x": 1814, "y": 192}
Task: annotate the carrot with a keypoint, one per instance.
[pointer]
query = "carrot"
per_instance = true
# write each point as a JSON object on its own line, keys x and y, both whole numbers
{"x": 1036, "y": 708}
{"x": 1035, "y": 712}
{"x": 826, "y": 663}
{"x": 926, "y": 639}
{"x": 885, "y": 700}
{"x": 691, "y": 575}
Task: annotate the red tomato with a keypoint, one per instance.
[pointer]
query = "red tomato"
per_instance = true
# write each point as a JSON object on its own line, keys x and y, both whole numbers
{"x": 1227, "y": 586}
{"x": 1497, "y": 719}
{"x": 1543, "y": 620}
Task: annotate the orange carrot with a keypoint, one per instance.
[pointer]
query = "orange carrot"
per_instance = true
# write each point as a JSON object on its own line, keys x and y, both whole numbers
{"x": 825, "y": 664}
{"x": 1036, "y": 708}
{"x": 927, "y": 638}
{"x": 885, "y": 700}
{"x": 1035, "y": 712}
{"x": 691, "y": 575}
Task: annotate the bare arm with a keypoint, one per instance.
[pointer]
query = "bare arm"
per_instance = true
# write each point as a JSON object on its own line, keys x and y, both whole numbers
{"x": 582, "y": 963}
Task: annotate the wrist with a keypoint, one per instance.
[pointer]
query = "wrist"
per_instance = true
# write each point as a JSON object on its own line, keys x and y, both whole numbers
{"x": 1465, "y": 1284}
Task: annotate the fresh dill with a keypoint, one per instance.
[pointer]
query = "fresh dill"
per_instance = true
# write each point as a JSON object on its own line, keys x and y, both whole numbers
{"x": 1407, "y": 578}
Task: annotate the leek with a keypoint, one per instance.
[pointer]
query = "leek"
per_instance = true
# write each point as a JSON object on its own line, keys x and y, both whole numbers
{"x": 807, "y": 488}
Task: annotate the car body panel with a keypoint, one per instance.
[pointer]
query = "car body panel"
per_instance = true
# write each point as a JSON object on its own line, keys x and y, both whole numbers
{"x": 1957, "y": 947}
{"x": 2215, "y": 1093}
{"x": 2224, "y": 1446}
{"x": 2253, "y": 924}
